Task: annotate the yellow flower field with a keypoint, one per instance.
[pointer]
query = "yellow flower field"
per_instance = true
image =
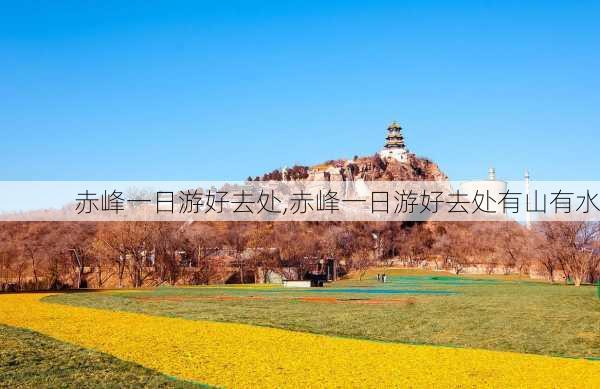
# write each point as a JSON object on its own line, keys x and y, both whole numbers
{"x": 237, "y": 355}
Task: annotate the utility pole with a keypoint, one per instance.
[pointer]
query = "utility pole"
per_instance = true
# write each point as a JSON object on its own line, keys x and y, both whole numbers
{"x": 527, "y": 214}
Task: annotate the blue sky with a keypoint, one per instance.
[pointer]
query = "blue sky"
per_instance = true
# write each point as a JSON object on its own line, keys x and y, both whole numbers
{"x": 222, "y": 90}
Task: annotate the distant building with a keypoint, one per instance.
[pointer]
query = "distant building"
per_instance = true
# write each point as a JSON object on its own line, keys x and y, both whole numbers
{"x": 491, "y": 188}
{"x": 394, "y": 147}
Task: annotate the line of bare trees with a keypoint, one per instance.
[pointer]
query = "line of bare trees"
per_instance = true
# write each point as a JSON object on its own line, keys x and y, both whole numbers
{"x": 55, "y": 255}
{"x": 571, "y": 247}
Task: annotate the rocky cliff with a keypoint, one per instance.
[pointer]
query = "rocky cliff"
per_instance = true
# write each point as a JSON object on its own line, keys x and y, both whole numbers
{"x": 372, "y": 168}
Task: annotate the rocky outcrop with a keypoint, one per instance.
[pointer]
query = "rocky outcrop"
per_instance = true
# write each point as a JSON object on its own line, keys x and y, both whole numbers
{"x": 373, "y": 168}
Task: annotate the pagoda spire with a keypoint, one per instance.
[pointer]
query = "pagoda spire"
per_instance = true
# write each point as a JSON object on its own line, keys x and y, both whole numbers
{"x": 394, "y": 146}
{"x": 394, "y": 138}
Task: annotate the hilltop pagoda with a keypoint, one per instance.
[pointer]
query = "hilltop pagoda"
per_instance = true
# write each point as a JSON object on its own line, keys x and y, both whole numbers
{"x": 394, "y": 144}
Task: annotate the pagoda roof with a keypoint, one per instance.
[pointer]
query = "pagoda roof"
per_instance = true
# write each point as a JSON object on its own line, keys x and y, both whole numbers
{"x": 394, "y": 125}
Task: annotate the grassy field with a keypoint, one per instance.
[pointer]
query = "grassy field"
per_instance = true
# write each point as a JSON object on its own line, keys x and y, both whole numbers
{"x": 29, "y": 359}
{"x": 237, "y": 355}
{"x": 413, "y": 307}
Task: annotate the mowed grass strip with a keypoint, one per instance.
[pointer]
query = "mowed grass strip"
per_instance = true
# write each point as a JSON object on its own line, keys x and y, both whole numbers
{"x": 32, "y": 360}
{"x": 237, "y": 355}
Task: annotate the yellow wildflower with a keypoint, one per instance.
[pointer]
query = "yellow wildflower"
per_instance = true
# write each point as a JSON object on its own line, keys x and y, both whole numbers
{"x": 239, "y": 355}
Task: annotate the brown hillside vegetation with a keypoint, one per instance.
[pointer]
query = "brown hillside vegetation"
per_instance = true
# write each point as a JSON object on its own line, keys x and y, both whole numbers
{"x": 55, "y": 255}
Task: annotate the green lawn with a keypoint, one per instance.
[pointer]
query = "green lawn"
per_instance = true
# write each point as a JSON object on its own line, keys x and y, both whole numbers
{"x": 30, "y": 360}
{"x": 484, "y": 312}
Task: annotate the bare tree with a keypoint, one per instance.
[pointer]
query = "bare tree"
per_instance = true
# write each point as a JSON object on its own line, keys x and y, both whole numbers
{"x": 571, "y": 244}
{"x": 168, "y": 244}
{"x": 454, "y": 246}
{"x": 361, "y": 261}
{"x": 78, "y": 244}
{"x": 237, "y": 239}
{"x": 132, "y": 249}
